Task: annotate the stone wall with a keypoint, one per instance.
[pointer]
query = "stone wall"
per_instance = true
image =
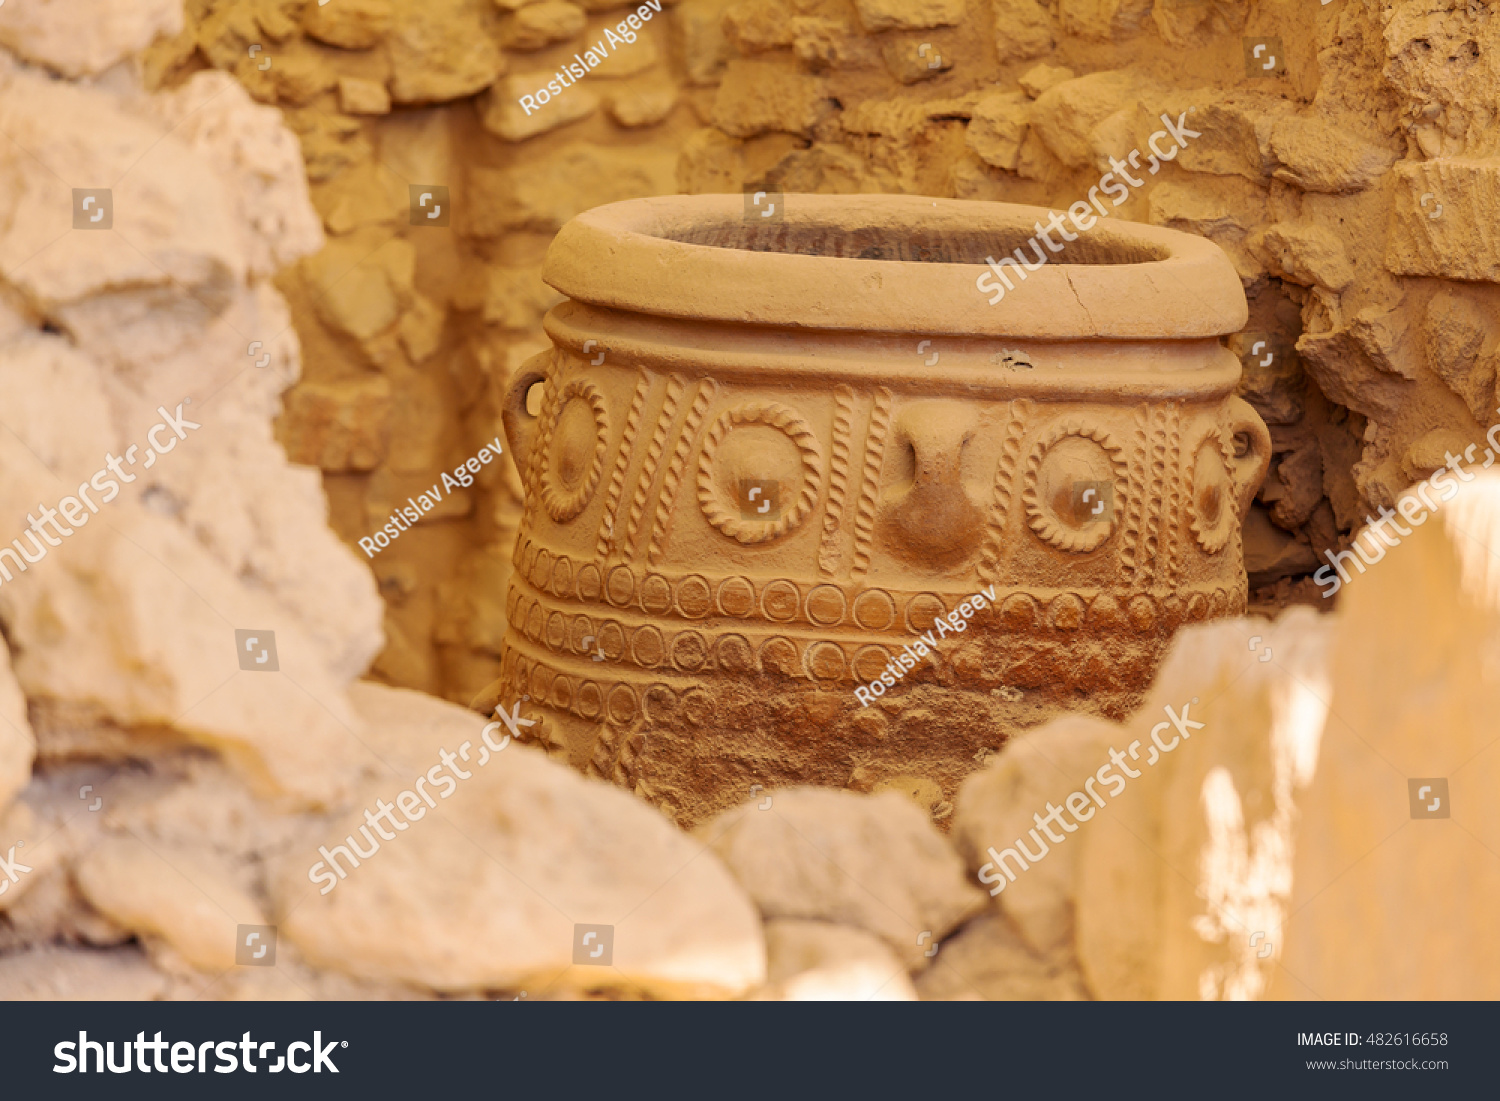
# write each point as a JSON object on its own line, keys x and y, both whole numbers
{"x": 1345, "y": 167}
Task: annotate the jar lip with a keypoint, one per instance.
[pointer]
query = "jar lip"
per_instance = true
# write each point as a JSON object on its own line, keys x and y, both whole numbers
{"x": 826, "y": 263}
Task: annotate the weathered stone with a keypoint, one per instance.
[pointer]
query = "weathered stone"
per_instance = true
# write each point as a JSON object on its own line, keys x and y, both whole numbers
{"x": 814, "y": 961}
{"x": 488, "y": 897}
{"x": 339, "y": 427}
{"x": 987, "y": 960}
{"x": 1023, "y": 29}
{"x": 641, "y": 102}
{"x": 85, "y": 37}
{"x": 1065, "y": 115}
{"x": 1440, "y": 221}
{"x": 701, "y": 45}
{"x": 171, "y": 892}
{"x": 870, "y": 861}
{"x": 352, "y": 24}
{"x": 1309, "y": 254}
{"x": 80, "y": 974}
{"x": 361, "y": 283}
{"x": 1104, "y": 20}
{"x": 1037, "y": 79}
{"x": 362, "y": 196}
{"x": 908, "y": 15}
{"x": 1320, "y": 156}
{"x": 363, "y": 97}
{"x": 17, "y": 742}
{"x": 544, "y": 194}
{"x": 1461, "y": 347}
{"x": 760, "y": 96}
{"x": 502, "y": 113}
{"x": 442, "y": 50}
{"x": 997, "y": 129}
{"x": 538, "y": 25}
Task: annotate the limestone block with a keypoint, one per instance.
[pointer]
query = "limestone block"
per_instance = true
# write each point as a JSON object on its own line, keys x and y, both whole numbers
{"x": 1317, "y": 155}
{"x": 641, "y": 102}
{"x": 258, "y": 158}
{"x": 360, "y": 286}
{"x": 1037, "y": 79}
{"x": 760, "y": 96}
{"x": 1104, "y": 20}
{"x": 756, "y": 25}
{"x": 176, "y": 893}
{"x": 442, "y": 50}
{"x": 351, "y": 24}
{"x": 815, "y": 961}
{"x": 358, "y": 96}
{"x": 998, "y": 127}
{"x": 874, "y": 862}
{"x": 1023, "y": 29}
{"x": 1065, "y": 115}
{"x": 547, "y": 191}
{"x": 538, "y": 25}
{"x": 996, "y": 806}
{"x": 53, "y": 973}
{"x": 361, "y": 196}
{"x": 502, "y": 113}
{"x": 1460, "y": 241}
{"x": 17, "y": 742}
{"x": 914, "y": 62}
{"x": 908, "y": 15}
{"x": 699, "y": 40}
{"x": 173, "y": 205}
{"x": 488, "y": 897}
{"x": 1309, "y": 254}
{"x": 339, "y": 427}
{"x": 1460, "y": 342}
{"x": 85, "y": 37}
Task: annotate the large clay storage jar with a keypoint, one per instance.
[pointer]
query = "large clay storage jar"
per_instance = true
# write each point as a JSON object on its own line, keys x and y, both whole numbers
{"x": 769, "y": 452}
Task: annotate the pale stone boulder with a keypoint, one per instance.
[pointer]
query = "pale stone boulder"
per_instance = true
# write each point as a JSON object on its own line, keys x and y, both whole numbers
{"x": 757, "y": 97}
{"x": 996, "y": 805}
{"x": 442, "y": 50}
{"x": 1183, "y": 882}
{"x": 179, "y": 894}
{"x": 54, "y": 974}
{"x": 17, "y": 742}
{"x": 488, "y": 895}
{"x": 874, "y": 862}
{"x": 84, "y": 37}
{"x": 988, "y": 961}
{"x": 1389, "y": 899}
{"x": 814, "y": 961}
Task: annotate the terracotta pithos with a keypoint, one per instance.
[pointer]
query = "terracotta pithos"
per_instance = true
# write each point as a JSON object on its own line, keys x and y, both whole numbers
{"x": 769, "y": 453}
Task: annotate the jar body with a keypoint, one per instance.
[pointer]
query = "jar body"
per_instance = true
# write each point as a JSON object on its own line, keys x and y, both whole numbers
{"x": 739, "y": 541}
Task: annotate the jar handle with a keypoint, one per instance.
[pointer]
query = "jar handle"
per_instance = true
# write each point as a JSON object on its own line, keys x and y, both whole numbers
{"x": 1248, "y": 471}
{"x": 520, "y": 425}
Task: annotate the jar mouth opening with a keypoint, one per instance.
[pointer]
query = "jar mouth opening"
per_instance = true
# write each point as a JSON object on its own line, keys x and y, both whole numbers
{"x": 916, "y": 244}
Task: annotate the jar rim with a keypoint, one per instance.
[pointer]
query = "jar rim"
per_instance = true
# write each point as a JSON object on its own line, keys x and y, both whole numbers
{"x": 895, "y": 263}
